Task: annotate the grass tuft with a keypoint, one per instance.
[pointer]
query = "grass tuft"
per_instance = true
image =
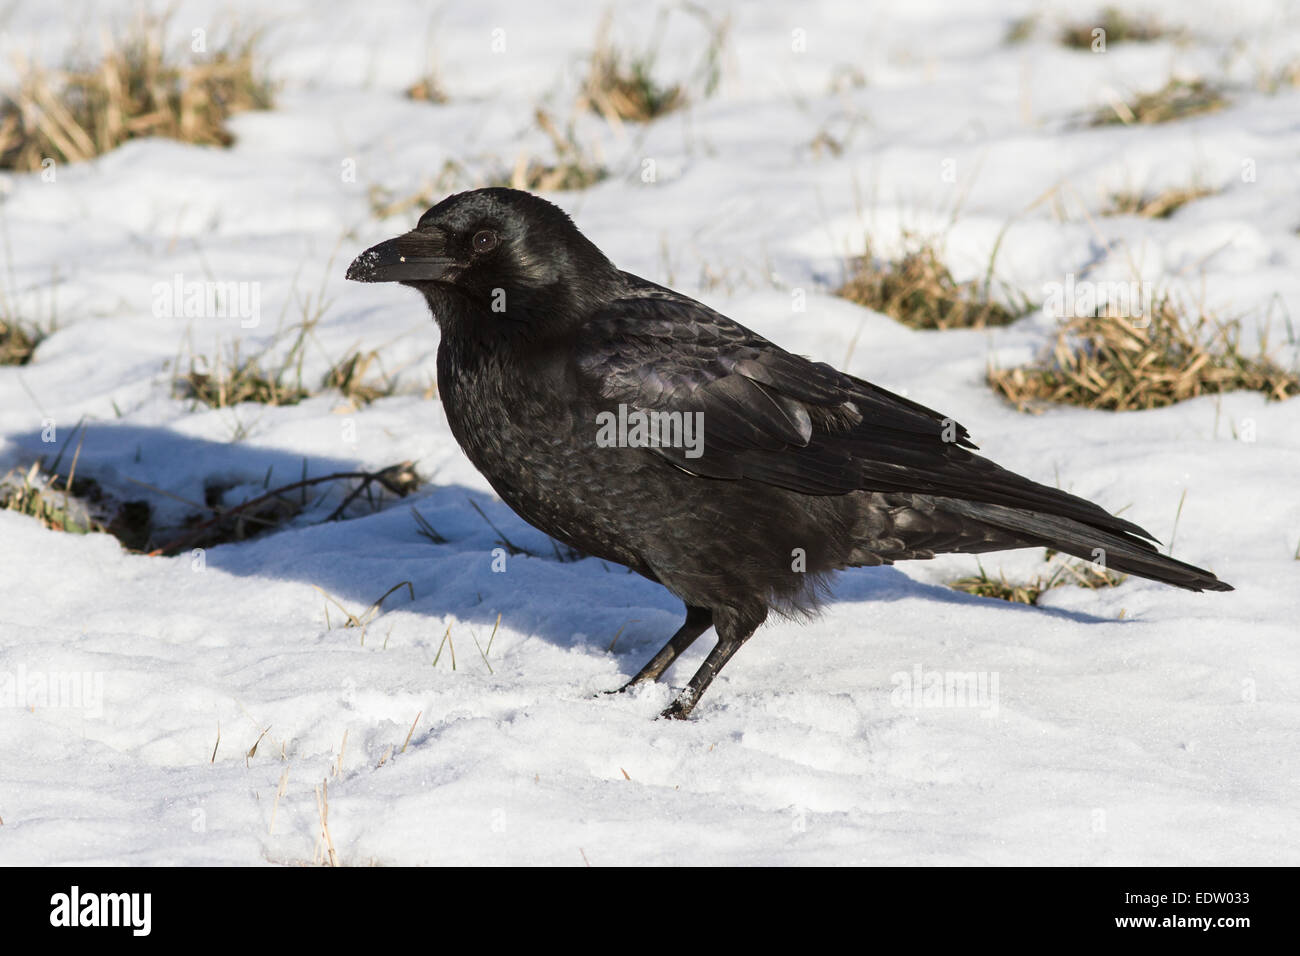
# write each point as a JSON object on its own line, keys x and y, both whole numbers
{"x": 621, "y": 85}
{"x": 33, "y": 493}
{"x": 1120, "y": 27}
{"x": 1109, "y": 362}
{"x": 385, "y": 202}
{"x": 919, "y": 291}
{"x": 1275, "y": 80}
{"x": 981, "y": 585}
{"x": 1177, "y": 99}
{"x": 234, "y": 381}
{"x": 1080, "y": 573}
{"x": 349, "y": 377}
{"x": 427, "y": 89}
{"x": 1160, "y": 205}
{"x": 572, "y": 165}
{"x": 18, "y": 341}
{"x": 573, "y": 168}
{"x": 80, "y": 507}
{"x": 138, "y": 87}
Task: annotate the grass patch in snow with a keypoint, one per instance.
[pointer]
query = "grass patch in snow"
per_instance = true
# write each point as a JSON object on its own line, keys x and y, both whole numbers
{"x": 80, "y": 507}
{"x": 386, "y": 202}
{"x": 34, "y": 492}
{"x": 350, "y": 377}
{"x": 18, "y": 341}
{"x": 1276, "y": 79}
{"x": 622, "y": 87}
{"x": 138, "y": 87}
{"x": 1119, "y": 363}
{"x": 981, "y": 585}
{"x": 574, "y": 166}
{"x": 919, "y": 291}
{"x": 1177, "y": 99}
{"x": 1080, "y": 573}
{"x": 19, "y": 333}
{"x": 427, "y": 89}
{"x": 1117, "y": 27}
{"x": 1158, "y": 205}
{"x": 231, "y": 380}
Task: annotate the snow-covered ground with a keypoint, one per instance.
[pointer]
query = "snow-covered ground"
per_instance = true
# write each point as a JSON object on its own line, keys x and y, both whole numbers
{"x": 1139, "y": 724}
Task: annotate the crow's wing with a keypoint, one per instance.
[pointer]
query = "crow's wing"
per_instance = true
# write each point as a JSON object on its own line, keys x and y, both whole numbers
{"x": 780, "y": 419}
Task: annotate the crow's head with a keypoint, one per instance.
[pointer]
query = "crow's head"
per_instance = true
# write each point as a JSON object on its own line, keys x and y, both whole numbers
{"x": 495, "y": 252}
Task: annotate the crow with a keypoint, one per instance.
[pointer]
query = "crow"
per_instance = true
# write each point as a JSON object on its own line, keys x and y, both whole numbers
{"x": 639, "y": 426}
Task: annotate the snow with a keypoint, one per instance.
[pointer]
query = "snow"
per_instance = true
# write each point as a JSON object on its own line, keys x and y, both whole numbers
{"x": 1137, "y": 725}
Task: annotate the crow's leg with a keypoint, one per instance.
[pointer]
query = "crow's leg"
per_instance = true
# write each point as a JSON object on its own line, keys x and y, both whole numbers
{"x": 734, "y": 629}
{"x": 698, "y": 620}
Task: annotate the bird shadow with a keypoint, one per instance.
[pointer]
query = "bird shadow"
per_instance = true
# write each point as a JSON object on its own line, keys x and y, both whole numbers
{"x": 468, "y": 558}
{"x": 882, "y": 584}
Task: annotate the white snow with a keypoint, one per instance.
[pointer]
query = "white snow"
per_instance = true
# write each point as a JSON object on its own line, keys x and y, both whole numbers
{"x": 1138, "y": 725}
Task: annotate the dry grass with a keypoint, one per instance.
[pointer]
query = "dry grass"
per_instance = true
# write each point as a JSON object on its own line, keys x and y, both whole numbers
{"x": 79, "y": 507}
{"x": 233, "y": 381}
{"x": 1080, "y": 573}
{"x": 919, "y": 291}
{"x": 384, "y": 202}
{"x": 981, "y": 585}
{"x": 1083, "y": 574}
{"x": 230, "y": 380}
{"x": 269, "y": 378}
{"x": 1276, "y": 79}
{"x": 18, "y": 341}
{"x": 137, "y": 88}
{"x": 1108, "y": 362}
{"x": 349, "y": 376}
{"x": 34, "y": 493}
{"x": 1160, "y": 205}
{"x": 573, "y": 167}
{"x": 427, "y": 89}
{"x": 1177, "y": 99}
{"x": 1120, "y": 27}
{"x": 621, "y": 85}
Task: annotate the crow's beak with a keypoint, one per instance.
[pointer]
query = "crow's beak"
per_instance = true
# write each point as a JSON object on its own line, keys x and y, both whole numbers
{"x": 416, "y": 256}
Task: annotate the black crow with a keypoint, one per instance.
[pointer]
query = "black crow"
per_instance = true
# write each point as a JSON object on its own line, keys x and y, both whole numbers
{"x": 642, "y": 427}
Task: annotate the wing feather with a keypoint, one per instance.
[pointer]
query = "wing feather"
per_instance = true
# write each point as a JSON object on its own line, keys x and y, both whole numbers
{"x": 774, "y": 417}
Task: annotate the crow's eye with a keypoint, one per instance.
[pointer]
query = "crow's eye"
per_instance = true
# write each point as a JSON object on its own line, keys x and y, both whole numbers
{"x": 485, "y": 240}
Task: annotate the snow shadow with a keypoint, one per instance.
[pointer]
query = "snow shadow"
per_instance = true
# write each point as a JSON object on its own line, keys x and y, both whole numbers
{"x": 468, "y": 558}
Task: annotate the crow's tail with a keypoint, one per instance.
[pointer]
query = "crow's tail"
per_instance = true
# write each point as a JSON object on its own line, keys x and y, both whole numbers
{"x": 1114, "y": 548}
